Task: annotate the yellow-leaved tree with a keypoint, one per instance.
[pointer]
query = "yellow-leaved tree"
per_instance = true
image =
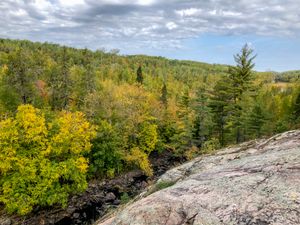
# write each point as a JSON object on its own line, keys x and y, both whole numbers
{"x": 42, "y": 163}
{"x": 128, "y": 132}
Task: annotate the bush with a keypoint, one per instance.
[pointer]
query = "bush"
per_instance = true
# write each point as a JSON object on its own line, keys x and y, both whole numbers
{"x": 125, "y": 198}
{"x": 41, "y": 164}
{"x": 210, "y": 145}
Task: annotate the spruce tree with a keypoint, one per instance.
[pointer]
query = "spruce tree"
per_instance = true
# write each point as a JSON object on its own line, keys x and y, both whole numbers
{"x": 240, "y": 82}
{"x": 203, "y": 121}
{"x": 219, "y": 102}
{"x": 139, "y": 75}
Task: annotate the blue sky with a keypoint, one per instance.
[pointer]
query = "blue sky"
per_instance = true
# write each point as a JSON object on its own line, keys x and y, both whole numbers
{"x": 273, "y": 53}
{"x": 203, "y": 30}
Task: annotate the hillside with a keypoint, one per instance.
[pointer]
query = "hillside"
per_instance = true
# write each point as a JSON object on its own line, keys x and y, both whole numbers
{"x": 73, "y": 122}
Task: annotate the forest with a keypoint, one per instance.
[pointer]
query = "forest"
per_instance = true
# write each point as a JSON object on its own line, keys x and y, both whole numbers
{"x": 69, "y": 115}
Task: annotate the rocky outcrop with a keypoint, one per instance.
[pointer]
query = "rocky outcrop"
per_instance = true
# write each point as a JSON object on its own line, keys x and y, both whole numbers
{"x": 257, "y": 182}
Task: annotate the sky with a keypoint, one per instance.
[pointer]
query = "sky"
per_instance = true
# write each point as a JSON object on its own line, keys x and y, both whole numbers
{"x": 203, "y": 30}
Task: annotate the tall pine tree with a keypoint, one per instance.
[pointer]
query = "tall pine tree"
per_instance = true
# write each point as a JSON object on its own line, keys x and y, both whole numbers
{"x": 240, "y": 82}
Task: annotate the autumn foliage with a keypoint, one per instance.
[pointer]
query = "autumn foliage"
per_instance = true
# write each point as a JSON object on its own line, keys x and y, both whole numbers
{"x": 42, "y": 162}
{"x": 140, "y": 106}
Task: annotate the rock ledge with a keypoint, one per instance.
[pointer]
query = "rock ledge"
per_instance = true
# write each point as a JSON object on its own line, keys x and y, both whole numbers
{"x": 257, "y": 182}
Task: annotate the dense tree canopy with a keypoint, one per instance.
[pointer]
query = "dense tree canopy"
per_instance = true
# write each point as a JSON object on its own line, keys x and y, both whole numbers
{"x": 68, "y": 115}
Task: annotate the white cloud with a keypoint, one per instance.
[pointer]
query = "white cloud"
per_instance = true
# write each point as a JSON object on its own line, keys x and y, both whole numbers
{"x": 171, "y": 25}
{"x": 188, "y": 12}
{"x": 122, "y": 2}
{"x": 231, "y": 13}
{"x": 41, "y": 4}
{"x": 145, "y": 2}
{"x": 19, "y": 13}
{"x": 71, "y": 3}
{"x": 138, "y": 22}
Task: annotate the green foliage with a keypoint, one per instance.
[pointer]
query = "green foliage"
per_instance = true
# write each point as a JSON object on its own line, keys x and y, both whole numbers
{"x": 167, "y": 131}
{"x": 189, "y": 107}
{"x": 230, "y": 94}
{"x": 210, "y": 146}
{"x": 256, "y": 120}
{"x": 139, "y": 75}
{"x": 125, "y": 198}
{"x": 203, "y": 123}
{"x": 296, "y": 107}
{"x": 106, "y": 155}
{"x": 239, "y": 83}
{"x": 17, "y": 80}
{"x": 219, "y": 102}
{"x": 164, "y": 95}
{"x": 41, "y": 164}
{"x": 59, "y": 82}
{"x": 183, "y": 136}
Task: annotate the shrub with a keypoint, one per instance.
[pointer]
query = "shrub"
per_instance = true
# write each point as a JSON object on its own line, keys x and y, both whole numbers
{"x": 125, "y": 198}
{"x": 210, "y": 145}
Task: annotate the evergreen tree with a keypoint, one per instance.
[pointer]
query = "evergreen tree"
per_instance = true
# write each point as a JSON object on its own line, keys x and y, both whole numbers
{"x": 240, "y": 82}
{"x": 184, "y": 103}
{"x": 219, "y": 102}
{"x": 139, "y": 75}
{"x": 183, "y": 138}
{"x": 256, "y": 121}
{"x": 203, "y": 121}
